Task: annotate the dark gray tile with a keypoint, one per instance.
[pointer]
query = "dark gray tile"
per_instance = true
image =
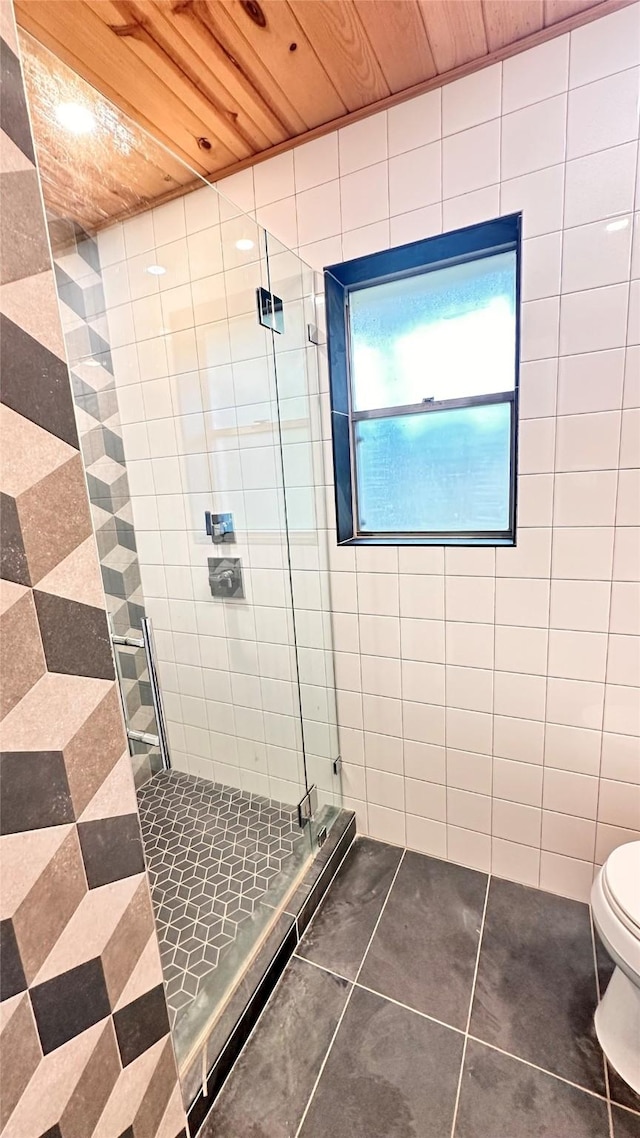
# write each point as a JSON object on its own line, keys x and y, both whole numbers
{"x": 340, "y": 931}
{"x": 621, "y": 1092}
{"x": 503, "y": 1098}
{"x": 34, "y": 791}
{"x": 70, "y": 1003}
{"x": 424, "y": 950}
{"x": 390, "y": 1074}
{"x": 269, "y": 1087}
{"x": 35, "y": 383}
{"x": 536, "y": 990}
{"x": 140, "y": 1024}
{"x": 111, "y": 848}
{"x": 75, "y": 637}
{"x": 625, "y": 1124}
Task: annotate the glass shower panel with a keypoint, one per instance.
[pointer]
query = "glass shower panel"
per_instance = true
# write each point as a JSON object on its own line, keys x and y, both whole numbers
{"x": 292, "y": 282}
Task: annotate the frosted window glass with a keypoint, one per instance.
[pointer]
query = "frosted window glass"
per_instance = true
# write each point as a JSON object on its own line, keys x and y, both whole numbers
{"x": 446, "y": 334}
{"x": 441, "y": 471}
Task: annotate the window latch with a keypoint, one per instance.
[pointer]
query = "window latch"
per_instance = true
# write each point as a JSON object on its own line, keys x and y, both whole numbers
{"x": 429, "y": 399}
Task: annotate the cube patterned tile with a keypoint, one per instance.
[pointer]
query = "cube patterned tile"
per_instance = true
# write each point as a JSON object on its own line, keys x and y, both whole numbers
{"x": 211, "y": 851}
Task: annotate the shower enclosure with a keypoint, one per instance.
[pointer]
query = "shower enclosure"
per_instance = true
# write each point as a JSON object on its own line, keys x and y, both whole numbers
{"x": 191, "y": 334}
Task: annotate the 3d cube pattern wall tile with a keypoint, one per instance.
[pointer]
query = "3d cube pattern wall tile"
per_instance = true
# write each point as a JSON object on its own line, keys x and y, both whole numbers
{"x": 85, "y": 1048}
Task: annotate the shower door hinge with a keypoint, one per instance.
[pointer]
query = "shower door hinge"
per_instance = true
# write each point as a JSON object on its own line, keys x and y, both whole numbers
{"x": 270, "y": 310}
{"x": 307, "y": 806}
{"x": 337, "y": 765}
{"x": 322, "y": 836}
{"x": 314, "y": 335}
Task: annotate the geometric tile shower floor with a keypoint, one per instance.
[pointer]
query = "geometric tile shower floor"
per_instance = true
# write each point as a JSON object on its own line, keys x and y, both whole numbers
{"x": 212, "y": 853}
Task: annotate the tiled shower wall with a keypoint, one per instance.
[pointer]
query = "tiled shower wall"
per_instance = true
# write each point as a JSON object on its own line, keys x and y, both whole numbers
{"x": 488, "y": 699}
{"x": 195, "y": 379}
{"x": 84, "y": 1035}
{"x": 84, "y": 325}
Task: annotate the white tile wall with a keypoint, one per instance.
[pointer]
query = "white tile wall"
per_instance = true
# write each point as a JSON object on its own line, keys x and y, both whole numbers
{"x": 487, "y": 700}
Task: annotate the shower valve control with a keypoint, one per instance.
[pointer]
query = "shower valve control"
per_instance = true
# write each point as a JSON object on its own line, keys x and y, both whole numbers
{"x": 219, "y": 527}
{"x": 225, "y": 577}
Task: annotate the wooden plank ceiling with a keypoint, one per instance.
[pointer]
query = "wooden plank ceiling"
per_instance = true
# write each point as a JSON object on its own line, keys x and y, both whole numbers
{"x": 220, "y": 82}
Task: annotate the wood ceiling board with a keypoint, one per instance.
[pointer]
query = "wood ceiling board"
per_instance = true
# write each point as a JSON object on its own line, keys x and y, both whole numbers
{"x": 76, "y": 35}
{"x": 508, "y": 22}
{"x": 397, "y": 35}
{"x": 297, "y": 78}
{"x": 456, "y": 31}
{"x": 339, "y": 38}
{"x": 556, "y": 10}
{"x": 116, "y": 168}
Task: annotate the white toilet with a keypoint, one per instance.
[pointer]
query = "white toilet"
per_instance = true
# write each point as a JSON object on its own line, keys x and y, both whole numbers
{"x": 615, "y": 903}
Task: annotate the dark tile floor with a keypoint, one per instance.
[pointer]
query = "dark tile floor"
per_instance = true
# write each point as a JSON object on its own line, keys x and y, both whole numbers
{"x": 430, "y": 1001}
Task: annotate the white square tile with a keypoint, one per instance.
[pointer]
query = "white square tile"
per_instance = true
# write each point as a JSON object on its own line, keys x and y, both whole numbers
{"x": 539, "y": 329}
{"x": 138, "y": 233}
{"x": 386, "y": 825}
{"x": 519, "y": 739}
{"x": 600, "y": 185}
{"x": 469, "y": 645}
{"x": 577, "y": 655}
{"x": 423, "y": 682}
{"x": 619, "y": 804}
{"x": 536, "y": 446}
{"x": 620, "y": 758}
{"x": 541, "y": 258}
{"x": 468, "y": 209}
{"x": 380, "y": 676}
{"x": 535, "y": 499}
{"x": 596, "y": 255}
{"x": 628, "y": 505}
{"x": 414, "y": 179}
{"x": 468, "y": 730}
{"x": 237, "y": 193}
{"x": 424, "y": 761}
{"x": 427, "y": 800}
{"x": 469, "y": 688}
{"x": 470, "y": 599}
{"x": 582, "y": 606}
{"x": 468, "y": 771}
{"x": 316, "y": 162}
{"x": 575, "y": 703}
{"x": 379, "y": 635}
{"x": 421, "y": 639}
{"x": 466, "y": 847}
{"x": 318, "y": 254}
{"x": 521, "y": 649}
{"x": 569, "y": 793}
{"x": 630, "y": 438}
{"x": 538, "y": 383}
{"x": 416, "y": 225}
{"x": 415, "y": 122}
{"x": 540, "y": 197}
{"x": 623, "y": 660}
{"x": 169, "y": 223}
{"x": 582, "y": 554}
{"x": 536, "y": 74}
{"x": 633, "y": 331}
{"x": 364, "y": 196}
{"x": 273, "y": 179}
{"x": 280, "y": 219}
{"x": 588, "y": 442}
{"x": 595, "y": 320}
{"x": 573, "y": 837}
{"x": 566, "y": 876}
{"x": 591, "y": 382}
{"x": 516, "y": 822}
{"x": 111, "y": 245}
{"x": 471, "y": 159}
{"x": 427, "y": 559}
{"x": 426, "y": 836}
{"x": 421, "y": 596}
{"x": 465, "y": 561}
{"x": 319, "y": 213}
{"x": 585, "y": 499}
{"x": 519, "y": 695}
{"x": 201, "y": 209}
{"x": 522, "y": 601}
{"x": 531, "y": 557}
{"x": 472, "y": 100}
{"x": 605, "y": 46}
{"x": 383, "y": 753}
{"x": 378, "y": 594}
{"x": 381, "y": 715}
{"x": 423, "y": 723}
{"x": 515, "y": 862}
{"x": 626, "y": 558}
{"x": 603, "y": 114}
{"x": 471, "y": 811}
{"x": 363, "y": 143}
{"x": 534, "y": 137}
{"x": 368, "y": 239}
{"x": 608, "y": 838}
{"x": 622, "y": 710}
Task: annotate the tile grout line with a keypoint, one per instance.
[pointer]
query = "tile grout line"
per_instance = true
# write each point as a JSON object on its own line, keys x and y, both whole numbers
{"x": 348, "y": 999}
{"x": 599, "y": 996}
{"x": 471, "y": 998}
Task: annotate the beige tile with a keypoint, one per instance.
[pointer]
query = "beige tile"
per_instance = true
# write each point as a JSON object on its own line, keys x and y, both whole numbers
{"x": 31, "y": 303}
{"x": 20, "y": 1052}
{"x": 77, "y": 577}
{"x": 146, "y": 974}
{"x": 21, "y": 649}
{"x": 93, "y": 1088}
{"x": 127, "y": 1095}
{"x": 116, "y": 795}
{"x": 29, "y": 453}
{"x": 50, "y": 903}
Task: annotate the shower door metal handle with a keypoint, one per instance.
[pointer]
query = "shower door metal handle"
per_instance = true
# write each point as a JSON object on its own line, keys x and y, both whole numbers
{"x": 146, "y": 642}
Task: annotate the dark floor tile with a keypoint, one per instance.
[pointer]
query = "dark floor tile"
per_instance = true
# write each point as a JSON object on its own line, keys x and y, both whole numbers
{"x": 269, "y": 1087}
{"x": 536, "y": 991}
{"x": 625, "y": 1124}
{"x": 424, "y": 950}
{"x": 621, "y": 1092}
{"x": 340, "y": 932}
{"x": 111, "y": 848}
{"x": 390, "y": 1074}
{"x": 503, "y": 1098}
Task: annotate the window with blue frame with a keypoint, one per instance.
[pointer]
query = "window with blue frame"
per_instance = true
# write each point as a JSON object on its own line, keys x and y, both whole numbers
{"x": 423, "y": 357}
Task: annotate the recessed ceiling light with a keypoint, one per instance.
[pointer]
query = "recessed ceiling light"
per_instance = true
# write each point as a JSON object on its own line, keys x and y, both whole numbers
{"x": 244, "y": 244}
{"x": 621, "y": 223}
{"x": 76, "y": 118}
{"x": 156, "y": 270}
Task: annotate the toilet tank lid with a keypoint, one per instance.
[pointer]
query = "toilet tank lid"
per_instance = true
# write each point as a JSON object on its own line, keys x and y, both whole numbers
{"x": 622, "y": 871}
